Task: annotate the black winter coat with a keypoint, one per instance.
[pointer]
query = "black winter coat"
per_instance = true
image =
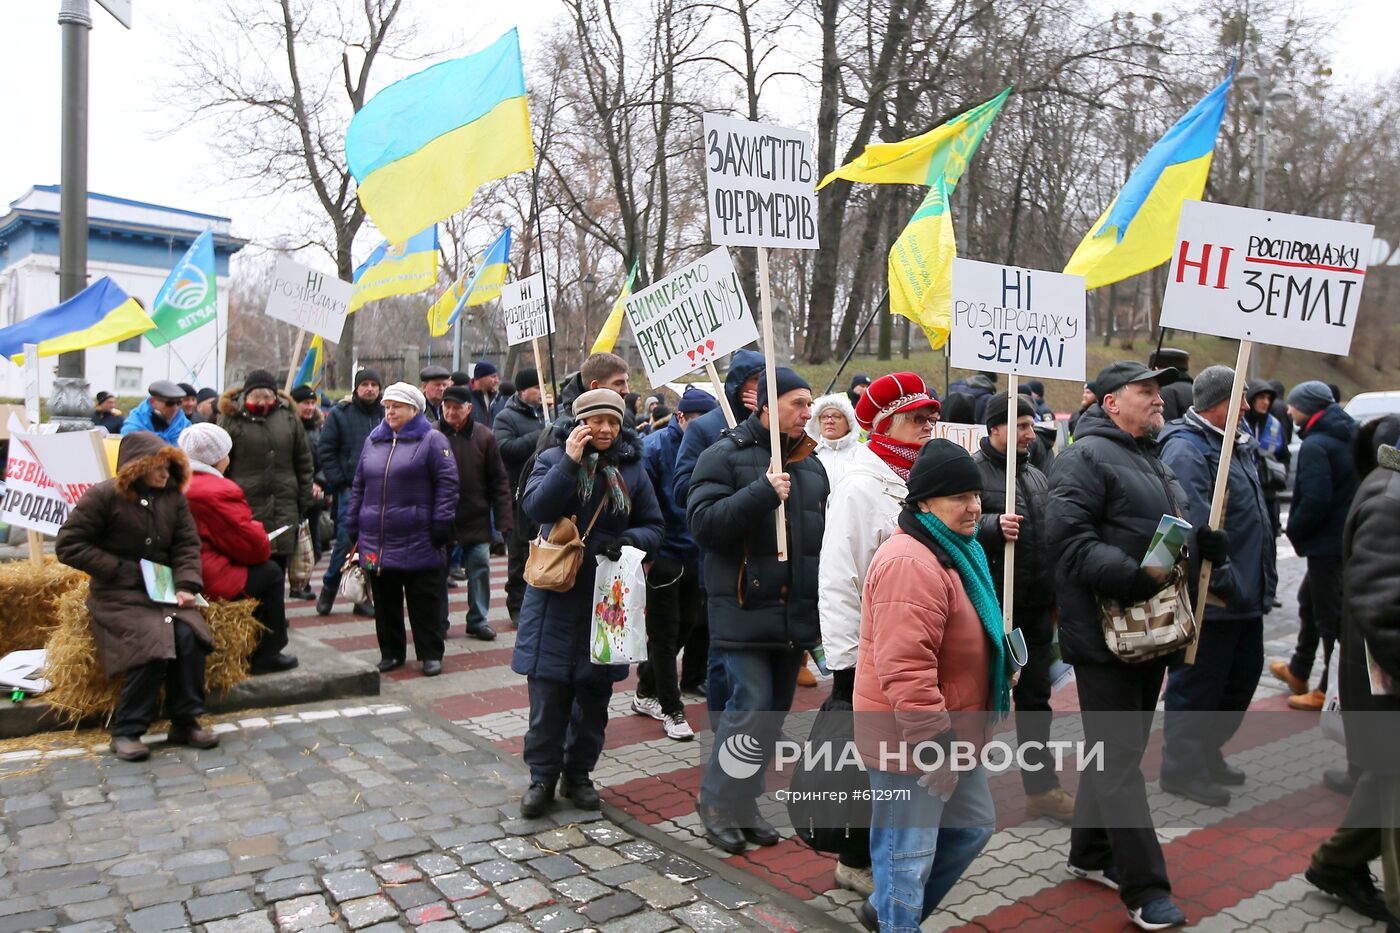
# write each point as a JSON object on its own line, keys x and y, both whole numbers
{"x": 517, "y": 428}
{"x": 343, "y": 439}
{"x": 1371, "y": 615}
{"x": 552, "y": 643}
{"x": 1035, "y": 568}
{"x": 1177, "y": 397}
{"x": 482, "y": 487}
{"x": 1108, "y": 491}
{"x": 756, "y": 601}
{"x": 1324, "y": 484}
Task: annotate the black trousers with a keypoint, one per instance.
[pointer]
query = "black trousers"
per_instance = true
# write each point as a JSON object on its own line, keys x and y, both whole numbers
{"x": 673, "y": 605}
{"x": 1206, "y": 701}
{"x": 1320, "y": 614}
{"x": 517, "y": 551}
{"x": 1112, "y": 821}
{"x": 420, "y": 588}
{"x": 1032, "y": 698}
{"x": 568, "y": 722}
{"x": 182, "y": 678}
{"x": 695, "y": 654}
{"x": 265, "y": 585}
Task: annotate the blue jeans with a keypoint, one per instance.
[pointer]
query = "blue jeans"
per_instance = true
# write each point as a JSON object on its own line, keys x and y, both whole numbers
{"x": 342, "y": 542}
{"x": 761, "y": 685}
{"x": 477, "y": 560}
{"x": 920, "y": 846}
{"x": 716, "y": 682}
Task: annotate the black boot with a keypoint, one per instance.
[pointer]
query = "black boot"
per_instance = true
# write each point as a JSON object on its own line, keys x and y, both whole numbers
{"x": 537, "y": 800}
{"x": 326, "y": 601}
{"x": 363, "y": 608}
{"x": 582, "y": 793}
{"x": 867, "y": 916}
{"x": 1200, "y": 790}
{"x": 759, "y": 831}
{"x": 721, "y": 829}
{"x": 1356, "y": 890}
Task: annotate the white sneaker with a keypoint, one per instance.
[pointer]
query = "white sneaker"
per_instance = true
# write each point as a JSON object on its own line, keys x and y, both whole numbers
{"x": 677, "y": 728}
{"x": 648, "y": 706}
{"x": 859, "y": 880}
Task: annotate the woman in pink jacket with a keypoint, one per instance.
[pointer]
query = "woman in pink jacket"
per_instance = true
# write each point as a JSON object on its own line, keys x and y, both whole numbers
{"x": 932, "y": 669}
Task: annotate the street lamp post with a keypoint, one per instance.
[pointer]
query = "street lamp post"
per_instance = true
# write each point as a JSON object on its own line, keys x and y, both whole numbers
{"x": 69, "y": 404}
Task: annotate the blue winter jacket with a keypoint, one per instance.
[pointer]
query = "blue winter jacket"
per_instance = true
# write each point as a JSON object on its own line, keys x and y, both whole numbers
{"x": 659, "y": 450}
{"x": 552, "y": 643}
{"x": 1324, "y": 485}
{"x": 141, "y": 419}
{"x": 705, "y": 430}
{"x": 1247, "y": 580}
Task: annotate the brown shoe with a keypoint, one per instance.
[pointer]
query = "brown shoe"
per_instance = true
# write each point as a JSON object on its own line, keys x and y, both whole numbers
{"x": 129, "y": 749}
{"x": 193, "y": 736}
{"x": 1057, "y": 804}
{"x": 805, "y": 677}
{"x": 1280, "y": 670}
{"x": 1309, "y": 702}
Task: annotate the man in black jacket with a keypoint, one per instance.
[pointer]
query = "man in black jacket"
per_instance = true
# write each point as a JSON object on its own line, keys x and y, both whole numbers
{"x": 104, "y": 414}
{"x": 342, "y": 438}
{"x": 518, "y": 428}
{"x": 1323, "y": 487}
{"x": 482, "y": 492}
{"x": 1108, "y": 492}
{"x": 763, "y": 612}
{"x": 1176, "y": 393}
{"x": 433, "y": 380}
{"x": 1034, "y": 597}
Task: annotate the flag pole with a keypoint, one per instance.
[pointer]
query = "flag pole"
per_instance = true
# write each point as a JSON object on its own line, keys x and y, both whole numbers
{"x": 850, "y": 352}
{"x": 548, "y": 315}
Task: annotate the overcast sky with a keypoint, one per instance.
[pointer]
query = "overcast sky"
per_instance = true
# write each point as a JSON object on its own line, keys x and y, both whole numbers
{"x": 126, "y": 158}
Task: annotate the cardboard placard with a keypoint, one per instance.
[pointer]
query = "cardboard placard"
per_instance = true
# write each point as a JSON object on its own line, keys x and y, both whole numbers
{"x": 1008, "y": 319}
{"x": 38, "y": 499}
{"x": 1272, "y": 278}
{"x": 967, "y": 436}
{"x": 311, "y": 300}
{"x": 690, "y": 318}
{"x": 761, "y": 183}
{"x": 526, "y": 312}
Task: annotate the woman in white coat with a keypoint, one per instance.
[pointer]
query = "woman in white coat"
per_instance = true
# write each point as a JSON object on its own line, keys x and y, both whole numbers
{"x": 833, "y": 427}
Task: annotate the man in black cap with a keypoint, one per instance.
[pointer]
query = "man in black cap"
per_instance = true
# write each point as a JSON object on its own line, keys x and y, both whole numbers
{"x": 1108, "y": 491}
{"x": 204, "y": 402}
{"x": 104, "y": 414}
{"x": 1176, "y": 393}
{"x": 342, "y": 439}
{"x": 160, "y": 414}
{"x": 434, "y": 380}
{"x": 486, "y": 402}
{"x": 860, "y": 382}
{"x": 518, "y": 427}
{"x": 190, "y": 400}
{"x": 1034, "y": 594}
{"x": 762, "y": 611}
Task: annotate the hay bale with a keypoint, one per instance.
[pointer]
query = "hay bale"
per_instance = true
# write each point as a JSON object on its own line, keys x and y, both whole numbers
{"x": 29, "y": 592}
{"x": 79, "y": 688}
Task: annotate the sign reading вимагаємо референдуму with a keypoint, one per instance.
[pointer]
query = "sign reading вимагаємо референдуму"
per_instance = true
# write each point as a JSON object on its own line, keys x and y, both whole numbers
{"x": 690, "y": 318}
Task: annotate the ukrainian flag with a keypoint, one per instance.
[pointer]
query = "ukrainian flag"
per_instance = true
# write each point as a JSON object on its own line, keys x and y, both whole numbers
{"x": 421, "y": 147}
{"x": 310, "y": 372}
{"x": 397, "y": 270}
{"x": 99, "y": 314}
{"x": 612, "y": 327}
{"x": 1144, "y": 216}
{"x": 485, "y": 285}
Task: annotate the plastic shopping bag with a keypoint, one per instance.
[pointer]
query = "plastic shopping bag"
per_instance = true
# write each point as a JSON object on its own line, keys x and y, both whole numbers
{"x": 1331, "y": 720}
{"x": 619, "y": 630}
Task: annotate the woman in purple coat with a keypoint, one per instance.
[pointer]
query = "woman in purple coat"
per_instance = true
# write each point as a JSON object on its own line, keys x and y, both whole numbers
{"x": 405, "y": 486}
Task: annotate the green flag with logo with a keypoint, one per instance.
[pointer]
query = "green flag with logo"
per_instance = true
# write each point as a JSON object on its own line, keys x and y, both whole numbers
{"x": 189, "y": 297}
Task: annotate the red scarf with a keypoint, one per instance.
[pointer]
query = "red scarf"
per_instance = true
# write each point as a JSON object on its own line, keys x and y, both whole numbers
{"x": 896, "y": 455}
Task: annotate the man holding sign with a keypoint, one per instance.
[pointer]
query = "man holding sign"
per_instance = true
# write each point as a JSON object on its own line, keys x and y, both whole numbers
{"x": 763, "y": 611}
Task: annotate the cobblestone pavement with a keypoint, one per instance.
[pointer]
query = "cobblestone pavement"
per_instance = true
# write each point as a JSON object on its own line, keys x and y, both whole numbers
{"x": 1227, "y": 873}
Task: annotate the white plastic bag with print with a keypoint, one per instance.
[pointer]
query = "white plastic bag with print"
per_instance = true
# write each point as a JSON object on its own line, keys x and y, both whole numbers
{"x": 1331, "y": 719}
{"x": 619, "y": 631}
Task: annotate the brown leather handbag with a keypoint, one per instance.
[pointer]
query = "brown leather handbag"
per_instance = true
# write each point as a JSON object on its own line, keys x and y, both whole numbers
{"x": 554, "y": 561}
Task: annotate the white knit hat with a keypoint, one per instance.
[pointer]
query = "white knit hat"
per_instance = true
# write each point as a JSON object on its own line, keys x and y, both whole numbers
{"x": 205, "y": 443}
{"x": 407, "y": 394}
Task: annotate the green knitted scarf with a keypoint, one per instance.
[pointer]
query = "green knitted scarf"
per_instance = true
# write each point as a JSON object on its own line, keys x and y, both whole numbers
{"x": 971, "y": 563}
{"x": 619, "y": 502}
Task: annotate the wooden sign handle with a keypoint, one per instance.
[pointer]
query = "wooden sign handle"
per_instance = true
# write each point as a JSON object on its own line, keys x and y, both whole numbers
{"x": 719, "y": 393}
{"x": 545, "y": 400}
{"x": 1009, "y": 558}
{"x": 765, "y": 300}
{"x": 296, "y": 360}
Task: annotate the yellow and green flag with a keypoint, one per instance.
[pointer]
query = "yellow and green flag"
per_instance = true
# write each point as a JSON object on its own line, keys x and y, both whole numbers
{"x": 612, "y": 327}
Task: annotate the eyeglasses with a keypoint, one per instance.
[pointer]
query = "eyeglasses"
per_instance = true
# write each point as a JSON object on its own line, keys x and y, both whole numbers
{"x": 831, "y": 416}
{"x": 923, "y": 421}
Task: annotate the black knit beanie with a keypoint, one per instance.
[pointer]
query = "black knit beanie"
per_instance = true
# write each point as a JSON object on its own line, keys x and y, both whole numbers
{"x": 942, "y": 469}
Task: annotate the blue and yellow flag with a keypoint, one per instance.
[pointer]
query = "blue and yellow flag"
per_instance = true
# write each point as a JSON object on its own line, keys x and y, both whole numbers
{"x": 189, "y": 297}
{"x": 99, "y": 314}
{"x": 421, "y": 147}
{"x": 1144, "y": 216}
{"x": 310, "y": 372}
{"x": 485, "y": 285}
{"x": 612, "y": 327}
{"x": 400, "y": 269}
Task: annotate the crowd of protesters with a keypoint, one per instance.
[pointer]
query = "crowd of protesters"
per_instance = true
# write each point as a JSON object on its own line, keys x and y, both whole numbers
{"x": 888, "y": 573}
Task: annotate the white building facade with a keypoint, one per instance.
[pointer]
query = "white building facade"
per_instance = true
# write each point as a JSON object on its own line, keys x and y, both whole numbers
{"x": 137, "y": 244}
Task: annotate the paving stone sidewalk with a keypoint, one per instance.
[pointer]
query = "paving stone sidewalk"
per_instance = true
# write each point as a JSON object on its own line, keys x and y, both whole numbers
{"x": 336, "y": 817}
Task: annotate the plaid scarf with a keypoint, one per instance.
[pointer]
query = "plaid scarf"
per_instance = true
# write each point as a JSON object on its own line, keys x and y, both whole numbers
{"x": 897, "y": 456}
{"x": 618, "y": 500}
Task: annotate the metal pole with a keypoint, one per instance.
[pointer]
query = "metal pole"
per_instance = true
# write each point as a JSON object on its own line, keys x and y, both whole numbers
{"x": 856, "y": 342}
{"x": 70, "y": 401}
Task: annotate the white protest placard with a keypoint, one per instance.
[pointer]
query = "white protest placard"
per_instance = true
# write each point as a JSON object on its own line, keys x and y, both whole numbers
{"x": 311, "y": 300}
{"x": 762, "y": 183}
{"x": 38, "y": 500}
{"x": 523, "y": 303}
{"x": 967, "y": 436}
{"x": 690, "y": 318}
{"x": 1007, "y": 319}
{"x": 1270, "y": 278}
